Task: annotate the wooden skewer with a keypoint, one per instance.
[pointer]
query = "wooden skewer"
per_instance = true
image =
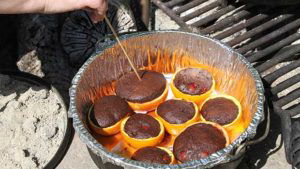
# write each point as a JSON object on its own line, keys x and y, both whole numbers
{"x": 122, "y": 47}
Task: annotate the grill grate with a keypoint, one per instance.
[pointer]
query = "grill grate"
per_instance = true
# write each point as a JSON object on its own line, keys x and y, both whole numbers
{"x": 265, "y": 36}
{"x": 243, "y": 22}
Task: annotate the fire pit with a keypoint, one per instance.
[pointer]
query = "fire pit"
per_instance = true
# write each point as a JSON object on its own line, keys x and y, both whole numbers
{"x": 165, "y": 52}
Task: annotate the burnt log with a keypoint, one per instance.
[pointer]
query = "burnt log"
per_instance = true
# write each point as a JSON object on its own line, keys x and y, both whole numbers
{"x": 79, "y": 35}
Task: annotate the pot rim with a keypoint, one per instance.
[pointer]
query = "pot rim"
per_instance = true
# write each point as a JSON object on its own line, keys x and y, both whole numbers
{"x": 219, "y": 157}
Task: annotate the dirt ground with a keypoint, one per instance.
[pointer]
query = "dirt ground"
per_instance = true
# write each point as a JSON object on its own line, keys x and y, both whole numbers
{"x": 77, "y": 156}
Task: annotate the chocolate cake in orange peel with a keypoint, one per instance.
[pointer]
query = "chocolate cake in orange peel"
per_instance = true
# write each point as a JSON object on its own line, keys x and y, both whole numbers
{"x": 145, "y": 94}
{"x": 177, "y": 114}
{"x": 199, "y": 141}
{"x": 106, "y": 115}
{"x": 158, "y": 155}
{"x": 141, "y": 130}
{"x": 194, "y": 84}
{"x": 224, "y": 110}
{"x": 128, "y": 145}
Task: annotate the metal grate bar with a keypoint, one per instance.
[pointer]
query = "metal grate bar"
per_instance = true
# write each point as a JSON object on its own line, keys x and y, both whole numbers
{"x": 226, "y": 22}
{"x": 170, "y": 13}
{"x": 272, "y": 48}
{"x": 173, "y": 3}
{"x": 241, "y": 26}
{"x": 213, "y": 16}
{"x": 285, "y": 84}
{"x": 277, "y": 59}
{"x": 200, "y": 11}
{"x": 188, "y": 6}
{"x": 288, "y": 98}
{"x": 270, "y": 78}
{"x": 295, "y": 111}
{"x": 270, "y": 36}
{"x": 259, "y": 29}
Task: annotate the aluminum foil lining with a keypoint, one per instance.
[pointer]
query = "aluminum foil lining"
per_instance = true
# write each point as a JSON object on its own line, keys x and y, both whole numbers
{"x": 219, "y": 157}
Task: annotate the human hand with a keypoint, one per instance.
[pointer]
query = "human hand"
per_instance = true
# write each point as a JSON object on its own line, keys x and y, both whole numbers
{"x": 98, "y": 7}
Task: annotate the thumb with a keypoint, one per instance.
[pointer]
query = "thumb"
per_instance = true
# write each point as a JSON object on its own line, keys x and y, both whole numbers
{"x": 99, "y": 5}
{"x": 102, "y": 8}
{"x": 97, "y": 9}
{"x": 95, "y": 16}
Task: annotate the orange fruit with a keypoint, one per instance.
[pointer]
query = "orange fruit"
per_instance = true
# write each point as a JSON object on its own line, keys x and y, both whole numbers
{"x": 237, "y": 126}
{"x": 152, "y": 113}
{"x": 140, "y": 143}
{"x": 111, "y": 130}
{"x": 200, "y": 140}
{"x": 221, "y": 128}
{"x": 176, "y": 129}
{"x": 173, "y": 161}
{"x": 195, "y": 98}
{"x": 144, "y": 94}
{"x": 149, "y": 150}
{"x": 168, "y": 141}
{"x": 151, "y": 105}
{"x": 127, "y": 150}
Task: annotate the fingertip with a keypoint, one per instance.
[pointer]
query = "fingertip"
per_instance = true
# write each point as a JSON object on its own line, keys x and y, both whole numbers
{"x": 95, "y": 17}
{"x": 102, "y": 9}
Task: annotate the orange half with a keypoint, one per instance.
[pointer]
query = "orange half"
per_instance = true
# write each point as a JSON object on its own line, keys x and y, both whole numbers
{"x": 108, "y": 131}
{"x": 236, "y": 127}
{"x": 151, "y": 105}
{"x": 222, "y": 129}
{"x": 168, "y": 141}
{"x": 173, "y": 161}
{"x": 176, "y": 129}
{"x": 195, "y": 98}
{"x": 140, "y": 143}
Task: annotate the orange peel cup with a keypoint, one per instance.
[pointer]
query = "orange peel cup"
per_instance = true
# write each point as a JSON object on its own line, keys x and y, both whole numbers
{"x": 108, "y": 131}
{"x": 175, "y": 129}
{"x": 195, "y": 98}
{"x": 168, "y": 141}
{"x": 222, "y": 129}
{"x": 151, "y": 105}
{"x": 237, "y": 126}
{"x": 173, "y": 160}
{"x": 140, "y": 143}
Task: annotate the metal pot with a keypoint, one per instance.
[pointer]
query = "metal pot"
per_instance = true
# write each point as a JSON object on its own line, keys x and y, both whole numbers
{"x": 107, "y": 64}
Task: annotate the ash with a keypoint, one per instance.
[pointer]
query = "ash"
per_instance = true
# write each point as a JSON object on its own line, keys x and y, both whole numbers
{"x": 31, "y": 123}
